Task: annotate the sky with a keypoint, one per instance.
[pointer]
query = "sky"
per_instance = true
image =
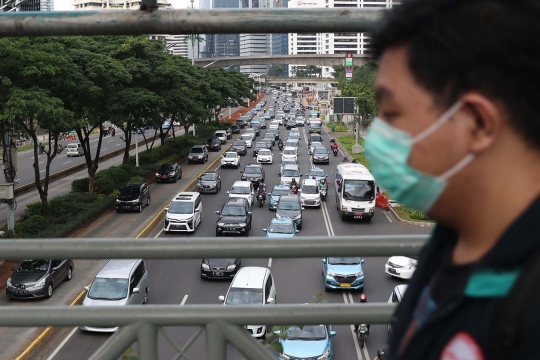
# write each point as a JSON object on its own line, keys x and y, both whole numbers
{"x": 60, "y": 5}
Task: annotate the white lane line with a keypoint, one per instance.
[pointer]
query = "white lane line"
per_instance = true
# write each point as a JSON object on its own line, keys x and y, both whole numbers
{"x": 387, "y": 216}
{"x": 62, "y": 343}
{"x": 184, "y": 300}
{"x": 61, "y": 156}
{"x": 355, "y": 339}
{"x": 103, "y": 149}
{"x": 110, "y": 141}
{"x": 93, "y": 140}
{"x": 41, "y": 162}
{"x": 42, "y": 171}
{"x": 159, "y": 233}
{"x": 117, "y": 144}
{"x": 270, "y": 262}
{"x": 67, "y": 162}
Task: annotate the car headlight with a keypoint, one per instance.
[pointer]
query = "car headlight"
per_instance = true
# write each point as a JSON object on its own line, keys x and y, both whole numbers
{"x": 190, "y": 157}
{"x": 324, "y": 356}
{"x": 171, "y": 174}
{"x": 231, "y": 267}
{"x": 158, "y": 174}
{"x": 205, "y": 266}
{"x": 372, "y": 210}
{"x": 221, "y": 224}
{"x": 9, "y": 284}
{"x": 343, "y": 208}
{"x": 284, "y": 356}
{"x": 297, "y": 217}
{"x": 242, "y": 224}
{"x": 190, "y": 219}
{"x": 331, "y": 273}
{"x": 359, "y": 274}
{"x": 40, "y": 283}
{"x": 134, "y": 201}
{"x": 409, "y": 267}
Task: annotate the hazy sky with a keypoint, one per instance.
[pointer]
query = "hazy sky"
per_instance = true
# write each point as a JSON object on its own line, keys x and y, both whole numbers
{"x": 60, "y": 5}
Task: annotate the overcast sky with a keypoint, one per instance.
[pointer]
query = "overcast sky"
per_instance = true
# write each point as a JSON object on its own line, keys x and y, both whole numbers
{"x": 60, "y": 5}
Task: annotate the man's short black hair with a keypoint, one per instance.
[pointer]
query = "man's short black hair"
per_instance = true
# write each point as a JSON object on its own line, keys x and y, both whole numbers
{"x": 456, "y": 46}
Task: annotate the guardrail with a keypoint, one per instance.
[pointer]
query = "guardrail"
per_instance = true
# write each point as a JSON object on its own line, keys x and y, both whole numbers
{"x": 222, "y": 324}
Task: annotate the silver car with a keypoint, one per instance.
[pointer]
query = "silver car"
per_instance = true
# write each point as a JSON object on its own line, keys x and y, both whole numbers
{"x": 118, "y": 283}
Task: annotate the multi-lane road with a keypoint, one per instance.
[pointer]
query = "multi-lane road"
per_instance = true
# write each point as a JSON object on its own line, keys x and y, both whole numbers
{"x": 297, "y": 280}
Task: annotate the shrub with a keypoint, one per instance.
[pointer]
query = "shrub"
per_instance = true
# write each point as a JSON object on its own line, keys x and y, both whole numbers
{"x": 104, "y": 184}
{"x": 136, "y": 179}
{"x": 80, "y": 185}
{"x": 119, "y": 176}
{"x": 34, "y": 224}
{"x": 80, "y": 197}
{"x": 32, "y": 209}
{"x": 419, "y": 215}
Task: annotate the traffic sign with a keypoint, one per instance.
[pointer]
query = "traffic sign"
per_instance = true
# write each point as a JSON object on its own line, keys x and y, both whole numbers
{"x": 348, "y": 65}
{"x": 344, "y": 105}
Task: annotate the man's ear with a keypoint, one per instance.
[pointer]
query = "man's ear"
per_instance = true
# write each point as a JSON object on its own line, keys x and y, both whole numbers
{"x": 485, "y": 120}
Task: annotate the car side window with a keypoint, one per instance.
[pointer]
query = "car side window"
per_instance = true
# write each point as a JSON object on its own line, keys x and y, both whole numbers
{"x": 394, "y": 297}
{"x": 55, "y": 263}
{"x": 268, "y": 287}
{"x": 136, "y": 277}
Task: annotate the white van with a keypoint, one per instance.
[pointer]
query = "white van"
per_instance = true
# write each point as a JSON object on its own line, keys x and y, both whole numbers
{"x": 221, "y": 135}
{"x": 288, "y": 173}
{"x": 309, "y": 193}
{"x": 355, "y": 192}
{"x": 184, "y": 212}
{"x": 252, "y": 286}
{"x": 74, "y": 150}
{"x": 247, "y": 138}
{"x": 243, "y": 189}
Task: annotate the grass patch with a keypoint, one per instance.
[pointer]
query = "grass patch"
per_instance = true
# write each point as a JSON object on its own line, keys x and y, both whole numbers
{"x": 411, "y": 215}
{"x": 347, "y": 141}
{"x": 340, "y": 127}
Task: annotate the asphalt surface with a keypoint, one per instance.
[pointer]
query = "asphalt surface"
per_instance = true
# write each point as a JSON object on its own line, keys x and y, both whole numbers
{"x": 297, "y": 280}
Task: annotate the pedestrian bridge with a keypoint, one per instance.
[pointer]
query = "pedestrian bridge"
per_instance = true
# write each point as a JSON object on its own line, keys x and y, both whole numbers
{"x": 298, "y": 80}
{"x": 296, "y": 59}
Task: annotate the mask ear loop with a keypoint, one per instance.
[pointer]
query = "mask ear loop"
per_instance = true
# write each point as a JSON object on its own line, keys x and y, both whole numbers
{"x": 458, "y": 167}
{"x": 437, "y": 124}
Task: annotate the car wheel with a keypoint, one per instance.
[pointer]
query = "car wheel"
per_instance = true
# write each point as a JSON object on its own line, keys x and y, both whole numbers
{"x": 300, "y": 227}
{"x": 49, "y": 292}
{"x": 218, "y": 234}
{"x": 148, "y": 202}
{"x": 326, "y": 289}
{"x": 342, "y": 216}
{"x": 180, "y": 175}
{"x": 175, "y": 180}
{"x": 145, "y": 298}
{"x": 69, "y": 275}
{"x": 140, "y": 207}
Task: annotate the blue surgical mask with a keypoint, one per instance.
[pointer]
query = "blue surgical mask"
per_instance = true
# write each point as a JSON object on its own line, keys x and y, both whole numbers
{"x": 388, "y": 150}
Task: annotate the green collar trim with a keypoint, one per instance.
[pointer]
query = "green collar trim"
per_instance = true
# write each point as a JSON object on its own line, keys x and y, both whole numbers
{"x": 491, "y": 283}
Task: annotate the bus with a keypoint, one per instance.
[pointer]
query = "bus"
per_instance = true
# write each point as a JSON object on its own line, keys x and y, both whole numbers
{"x": 355, "y": 192}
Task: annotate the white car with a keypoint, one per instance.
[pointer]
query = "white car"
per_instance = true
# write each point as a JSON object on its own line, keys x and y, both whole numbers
{"x": 74, "y": 150}
{"x": 251, "y": 132}
{"x": 309, "y": 193}
{"x": 288, "y": 173}
{"x": 221, "y": 135}
{"x": 184, "y": 212}
{"x": 273, "y": 127}
{"x": 292, "y": 143}
{"x": 400, "y": 266}
{"x": 230, "y": 159}
{"x": 300, "y": 121}
{"x": 248, "y": 139}
{"x": 286, "y": 162}
{"x": 290, "y": 153}
{"x": 243, "y": 189}
{"x": 265, "y": 156}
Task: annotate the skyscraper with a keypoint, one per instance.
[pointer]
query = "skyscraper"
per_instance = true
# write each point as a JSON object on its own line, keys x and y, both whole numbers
{"x": 27, "y": 5}
{"x": 280, "y": 42}
{"x": 217, "y": 45}
{"x": 254, "y": 44}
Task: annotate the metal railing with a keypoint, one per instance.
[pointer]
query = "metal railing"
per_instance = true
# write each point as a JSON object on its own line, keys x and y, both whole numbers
{"x": 222, "y": 324}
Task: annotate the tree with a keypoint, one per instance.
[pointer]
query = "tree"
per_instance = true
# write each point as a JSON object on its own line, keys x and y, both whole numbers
{"x": 275, "y": 71}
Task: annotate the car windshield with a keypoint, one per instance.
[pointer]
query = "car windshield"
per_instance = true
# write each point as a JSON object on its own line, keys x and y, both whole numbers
{"x": 308, "y": 332}
{"x": 292, "y": 143}
{"x": 211, "y": 140}
{"x": 344, "y": 260}
{"x": 167, "y": 168}
{"x": 208, "y": 177}
{"x": 240, "y": 190}
{"x": 289, "y": 152}
{"x": 181, "y": 207}
{"x": 238, "y": 143}
{"x": 229, "y": 155}
{"x": 281, "y": 228}
{"x": 233, "y": 211}
{"x": 359, "y": 190}
{"x": 279, "y": 192}
{"x": 246, "y": 137}
{"x": 196, "y": 150}
{"x": 289, "y": 205}
{"x": 239, "y": 296}
{"x": 290, "y": 173}
{"x": 108, "y": 289}
{"x": 252, "y": 170}
{"x": 130, "y": 190}
{"x": 269, "y": 135}
{"x": 261, "y": 144}
{"x": 33, "y": 266}
{"x": 320, "y": 150}
{"x": 265, "y": 152}
{"x": 315, "y": 138}
{"x": 310, "y": 189}
{"x": 317, "y": 172}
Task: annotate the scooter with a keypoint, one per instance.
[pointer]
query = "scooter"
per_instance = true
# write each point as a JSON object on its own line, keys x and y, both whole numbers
{"x": 294, "y": 189}
{"x": 361, "y": 334}
{"x": 280, "y": 146}
{"x": 260, "y": 200}
{"x": 335, "y": 151}
{"x": 322, "y": 192}
{"x": 41, "y": 151}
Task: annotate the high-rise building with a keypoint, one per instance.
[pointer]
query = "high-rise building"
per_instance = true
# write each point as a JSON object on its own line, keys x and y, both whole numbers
{"x": 114, "y": 4}
{"x": 218, "y": 45}
{"x": 280, "y": 42}
{"x": 254, "y": 44}
{"x": 333, "y": 43}
{"x": 26, "y": 5}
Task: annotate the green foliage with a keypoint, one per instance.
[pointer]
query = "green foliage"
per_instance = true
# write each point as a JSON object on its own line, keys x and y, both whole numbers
{"x": 80, "y": 185}
{"x": 136, "y": 179}
{"x": 406, "y": 213}
{"x": 34, "y": 224}
{"x": 33, "y": 209}
{"x": 104, "y": 184}
{"x": 85, "y": 198}
{"x": 347, "y": 141}
{"x": 340, "y": 127}
{"x": 275, "y": 71}
{"x": 115, "y": 194}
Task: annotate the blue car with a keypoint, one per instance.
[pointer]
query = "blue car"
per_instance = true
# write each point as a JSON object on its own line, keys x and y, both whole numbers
{"x": 343, "y": 273}
{"x": 277, "y": 191}
{"x": 281, "y": 228}
{"x": 310, "y": 342}
{"x": 317, "y": 172}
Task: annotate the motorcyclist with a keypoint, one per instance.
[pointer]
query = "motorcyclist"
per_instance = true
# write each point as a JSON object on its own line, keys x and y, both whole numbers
{"x": 363, "y": 299}
{"x": 293, "y": 184}
{"x": 113, "y": 131}
{"x": 262, "y": 190}
{"x": 41, "y": 148}
{"x": 381, "y": 355}
{"x": 322, "y": 184}
{"x": 280, "y": 144}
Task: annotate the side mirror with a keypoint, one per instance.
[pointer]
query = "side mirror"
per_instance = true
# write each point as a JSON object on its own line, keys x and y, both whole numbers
{"x": 362, "y": 261}
{"x": 136, "y": 290}
{"x": 301, "y": 175}
{"x": 87, "y": 288}
{"x": 270, "y": 301}
{"x": 324, "y": 260}
{"x": 297, "y": 231}
{"x": 264, "y": 230}
{"x": 249, "y": 212}
{"x": 166, "y": 209}
{"x": 333, "y": 333}
{"x": 218, "y": 212}
{"x": 279, "y": 174}
{"x": 228, "y": 192}
{"x": 299, "y": 190}
{"x": 221, "y": 298}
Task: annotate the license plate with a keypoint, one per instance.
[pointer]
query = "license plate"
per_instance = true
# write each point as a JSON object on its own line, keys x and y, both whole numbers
{"x": 357, "y": 215}
{"x": 218, "y": 273}
{"x": 127, "y": 207}
{"x": 393, "y": 271}
{"x": 164, "y": 176}
{"x": 345, "y": 285}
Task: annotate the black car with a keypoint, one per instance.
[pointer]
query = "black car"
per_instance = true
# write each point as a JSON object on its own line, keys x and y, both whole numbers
{"x": 209, "y": 182}
{"x": 257, "y": 129}
{"x": 275, "y": 132}
{"x": 270, "y": 136}
{"x": 253, "y": 173}
{"x": 258, "y": 146}
{"x": 168, "y": 172}
{"x": 320, "y": 155}
{"x": 37, "y": 278}
{"x": 291, "y": 123}
{"x": 240, "y": 147}
{"x": 234, "y": 217}
{"x": 235, "y": 129}
{"x": 262, "y": 124}
{"x": 315, "y": 138}
{"x": 133, "y": 196}
{"x": 269, "y": 143}
{"x": 241, "y": 123}
{"x": 219, "y": 268}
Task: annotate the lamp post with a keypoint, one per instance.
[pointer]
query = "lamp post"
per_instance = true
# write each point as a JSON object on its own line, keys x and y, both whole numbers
{"x": 193, "y": 51}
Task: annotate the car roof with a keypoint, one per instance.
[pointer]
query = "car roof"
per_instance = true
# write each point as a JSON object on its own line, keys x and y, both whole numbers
{"x": 236, "y": 201}
{"x": 134, "y": 184}
{"x": 310, "y": 182}
{"x": 185, "y": 196}
{"x": 281, "y": 221}
{"x": 210, "y": 172}
{"x": 250, "y": 277}
{"x": 281, "y": 186}
{"x": 290, "y": 166}
{"x": 197, "y": 146}
{"x": 242, "y": 183}
{"x": 118, "y": 268}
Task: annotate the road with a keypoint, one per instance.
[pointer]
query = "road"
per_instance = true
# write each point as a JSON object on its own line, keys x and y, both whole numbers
{"x": 297, "y": 280}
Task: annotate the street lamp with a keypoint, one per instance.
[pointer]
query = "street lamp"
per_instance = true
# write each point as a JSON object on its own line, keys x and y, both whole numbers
{"x": 193, "y": 44}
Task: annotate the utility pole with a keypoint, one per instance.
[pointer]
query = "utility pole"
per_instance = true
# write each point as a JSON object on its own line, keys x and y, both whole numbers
{"x": 193, "y": 53}
{"x": 137, "y": 147}
{"x": 10, "y": 173}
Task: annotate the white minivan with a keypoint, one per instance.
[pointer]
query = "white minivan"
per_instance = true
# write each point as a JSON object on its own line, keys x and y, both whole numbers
{"x": 355, "y": 192}
{"x": 252, "y": 286}
{"x": 184, "y": 212}
{"x": 309, "y": 193}
{"x": 221, "y": 135}
{"x": 74, "y": 149}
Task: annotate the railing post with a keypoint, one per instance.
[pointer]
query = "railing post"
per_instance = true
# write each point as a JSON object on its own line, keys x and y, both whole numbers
{"x": 117, "y": 344}
{"x": 147, "y": 339}
{"x": 216, "y": 345}
{"x": 251, "y": 348}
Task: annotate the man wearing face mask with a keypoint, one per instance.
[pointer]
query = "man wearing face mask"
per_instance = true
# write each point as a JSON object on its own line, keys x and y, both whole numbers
{"x": 459, "y": 138}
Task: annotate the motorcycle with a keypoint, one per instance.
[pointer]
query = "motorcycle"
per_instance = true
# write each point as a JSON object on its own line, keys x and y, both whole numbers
{"x": 361, "y": 334}
{"x": 322, "y": 192}
{"x": 280, "y": 146}
{"x": 335, "y": 151}
{"x": 294, "y": 189}
{"x": 41, "y": 150}
{"x": 260, "y": 200}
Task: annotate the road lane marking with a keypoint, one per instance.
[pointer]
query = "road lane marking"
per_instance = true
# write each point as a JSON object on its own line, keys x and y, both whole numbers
{"x": 93, "y": 140}
{"x": 117, "y": 144}
{"x": 184, "y": 300}
{"x": 41, "y": 162}
{"x": 387, "y": 216}
{"x": 110, "y": 141}
{"x": 62, "y": 343}
{"x": 159, "y": 233}
{"x": 355, "y": 339}
{"x": 67, "y": 162}
{"x": 42, "y": 171}
{"x": 61, "y": 156}
{"x": 270, "y": 262}
{"x": 103, "y": 149}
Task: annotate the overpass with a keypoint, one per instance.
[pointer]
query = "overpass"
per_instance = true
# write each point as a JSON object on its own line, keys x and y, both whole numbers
{"x": 296, "y": 59}
{"x": 298, "y": 80}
